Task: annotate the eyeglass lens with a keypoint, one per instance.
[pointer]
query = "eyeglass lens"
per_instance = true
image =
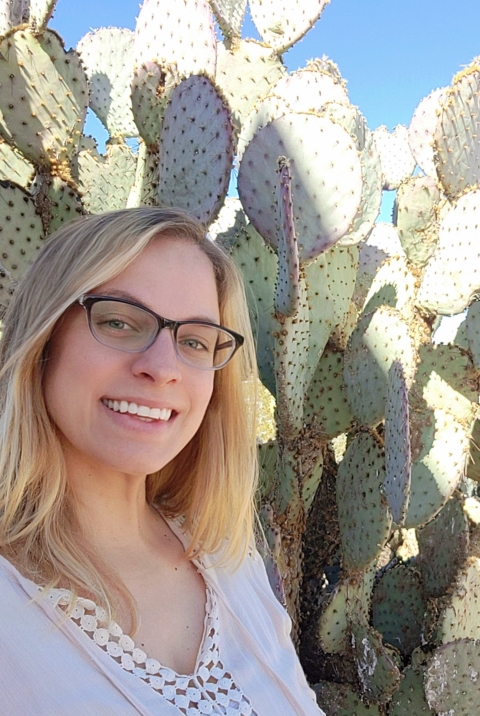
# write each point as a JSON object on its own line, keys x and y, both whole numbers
{"x": 130, "y": 328}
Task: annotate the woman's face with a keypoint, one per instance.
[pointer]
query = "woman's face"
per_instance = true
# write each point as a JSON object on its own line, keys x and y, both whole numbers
{"x": 175, "y": 279}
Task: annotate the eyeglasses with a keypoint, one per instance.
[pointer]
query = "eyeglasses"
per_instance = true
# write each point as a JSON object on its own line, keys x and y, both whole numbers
{"x": 130, "y": 327}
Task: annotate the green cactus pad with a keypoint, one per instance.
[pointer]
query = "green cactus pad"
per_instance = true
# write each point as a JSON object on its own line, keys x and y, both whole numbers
{"x": 398, "y": 608}
{"x": 40, "y": 13}
{"x": 439, "y": 452}
{"x": 342, "y": 700}
{"x": 280, "y": 24}
{"x": 398, "y": 458}
{"x": 457, "y": 134}
{"x": 246, "y": 73}
{"x": 452, "y": 682}
{"x": 379, "y": 339}
{"x": 382, "y": 243}
{"x": 459, "y": 619}
{"x": 452, "y": 276}
{"x": 351, "y": 119}
{"x": 443, "y": 547}
{"x": 230, "y": 15}
{"x": 180, "y": 33}
{"x": 351, "y": 594}
{"x": 107, "y": 58}
{"x": 287, "y": 289}
{"x": 144, "y": 190}
{"x": 306, "y": 90}
{"x": 151, "y": 88}
{"x": 416, "y": 218}
{"x": 258, "y": 265}
{"x": 326, "y": 405}
{"x": 473, "y": 466}
{"x": 13, "y": 13}
{"x": 57, "y": 202}
{"x": 21, "y": 235}
{"x": 396, "y": 157}
{"x": 196, "y": 149}
{"x": 378, "y": 675}
{"x": 104, "y": 181}
{"x": 363, "y": 515}
{"x": 46, "y": 127}
{"x": 445, "y": 379}
{"x": 421, "y": 131}
{"x": 267, "y": 462}
{"x": 326, "y": 177}
{"x": 14, "y": 167}
{"x": 473, "y": 332}
{"x": 410, "y": 699}
{"x": 394, "y": 286}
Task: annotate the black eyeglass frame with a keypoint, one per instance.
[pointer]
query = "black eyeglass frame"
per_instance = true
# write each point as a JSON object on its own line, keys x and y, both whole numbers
{"x": 88, "y": 299}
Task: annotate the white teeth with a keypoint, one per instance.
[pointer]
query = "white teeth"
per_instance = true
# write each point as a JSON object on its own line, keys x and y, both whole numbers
{"x": 142, "y": 411}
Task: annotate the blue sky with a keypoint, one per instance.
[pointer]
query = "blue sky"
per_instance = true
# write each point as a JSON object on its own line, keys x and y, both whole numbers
{"x": 392, "y": 54}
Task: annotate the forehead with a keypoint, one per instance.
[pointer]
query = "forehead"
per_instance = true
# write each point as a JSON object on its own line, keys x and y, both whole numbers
{"x": 173, "y": 277}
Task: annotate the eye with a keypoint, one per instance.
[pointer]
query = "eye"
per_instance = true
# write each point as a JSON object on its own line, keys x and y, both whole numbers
{"x": 194, "y": 344}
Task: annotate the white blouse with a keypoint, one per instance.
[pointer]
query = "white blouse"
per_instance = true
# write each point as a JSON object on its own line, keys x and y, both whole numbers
{"x": 211, "y": 689}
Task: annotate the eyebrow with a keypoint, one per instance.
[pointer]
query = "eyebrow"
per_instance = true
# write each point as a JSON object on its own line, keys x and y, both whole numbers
{"x": 118, "y": 293}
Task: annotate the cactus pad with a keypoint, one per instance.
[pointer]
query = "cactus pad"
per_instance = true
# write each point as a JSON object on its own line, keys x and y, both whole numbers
{"x": 230, "y": 15}
{"x": 104, "y": 181}
{"x": 382, "y": 243}
{"x": 459, "y": 620}
{"x": 473, "y": 332}
{"x": 57, "y": 202}
{"x": 21, "y": 235}
{"x": 13, "y": 13}
{"x": 378, "y": 675}
{"x": 452, "y": 682}
{"x": 151, "y": 88}
{"x": 416, "y": 218}
{"x": 196, "y": 149}
{"x": 246, "y": 73}
{"x": 452, "y": 275}
{"x": 443, "y": 547}
{"x": 40, "y": 13}
{"x": 287, "y": 290}
{"x": 473, "y": 467}
{"x": 280, "y": 25}
{"x": 341, "y": 700}
{"x": 46, "y": 127}
{"x": 421, "y": 131}
{"x": 398, "y": 608}
{"x": 394, "y": 286}
{"x": 180, "y": 33}
{"x": 363, "y": 515}
{"x": 14, "y": 167}
{"x": 457, "y": 134}
{"x": 398, "y": 458}
{"x": 326, "y": 177}
{"x": 379, "y": 339}
{"x": 396, "y": 157}
{"x": 107, "y": 58}
{"x": 410, "y": 699}
{"x": 326, "y": 404}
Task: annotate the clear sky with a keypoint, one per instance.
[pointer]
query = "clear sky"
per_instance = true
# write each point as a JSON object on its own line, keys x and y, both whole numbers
{"x": 392, "y": 54}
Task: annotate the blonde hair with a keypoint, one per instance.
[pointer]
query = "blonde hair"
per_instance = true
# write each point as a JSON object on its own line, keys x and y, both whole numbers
{"x": 37, "y": 515}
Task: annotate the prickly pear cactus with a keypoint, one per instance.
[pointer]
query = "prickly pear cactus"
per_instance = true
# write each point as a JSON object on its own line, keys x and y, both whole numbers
{"x": 369, "y": 464}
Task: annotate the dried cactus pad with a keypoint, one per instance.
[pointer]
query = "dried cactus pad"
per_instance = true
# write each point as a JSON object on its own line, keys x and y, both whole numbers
{"x": 342, "y": 700}
{"x": 398, "y": 458}
{"x": 443, "y": 547}
{"x": 326, "y": 178}
{"x": 363, "y": 513}
{"x": 379, "y": 339}
{"x": 452, "y": 682}
{"x": 196, "y": 149}
{"x": 107, "y": 57}
{"x": 280, "y": 24}
{"x": 396, "y": 157}
{"x": 457, "y": 135}
{"x": 45, "y": 126}
{"x": 421, "y": 131}
{"x": 452, "y": 275}
{"x": 180, "y": 32}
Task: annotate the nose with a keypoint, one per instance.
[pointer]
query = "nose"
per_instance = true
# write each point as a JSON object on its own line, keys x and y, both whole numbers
{"x": 159, "y": 362}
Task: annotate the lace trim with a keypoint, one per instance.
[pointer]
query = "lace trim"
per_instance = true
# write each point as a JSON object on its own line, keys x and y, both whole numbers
{"x": 209, "y": 690}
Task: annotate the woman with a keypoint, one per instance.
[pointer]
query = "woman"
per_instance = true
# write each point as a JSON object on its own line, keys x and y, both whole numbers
{"x": 128, "y": 580}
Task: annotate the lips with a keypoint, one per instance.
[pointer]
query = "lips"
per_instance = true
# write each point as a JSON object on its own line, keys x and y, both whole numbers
{"x": 143, "y": 411}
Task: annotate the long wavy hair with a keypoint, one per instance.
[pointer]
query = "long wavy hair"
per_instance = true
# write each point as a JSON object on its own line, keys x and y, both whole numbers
{"x": 210, "y": 484}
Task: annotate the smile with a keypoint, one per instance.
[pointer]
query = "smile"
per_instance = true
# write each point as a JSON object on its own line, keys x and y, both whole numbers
{"x": 143, "y": 411}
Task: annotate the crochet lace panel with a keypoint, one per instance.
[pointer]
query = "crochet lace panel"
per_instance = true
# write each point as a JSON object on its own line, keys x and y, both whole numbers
{"x": 209, "y": 690}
